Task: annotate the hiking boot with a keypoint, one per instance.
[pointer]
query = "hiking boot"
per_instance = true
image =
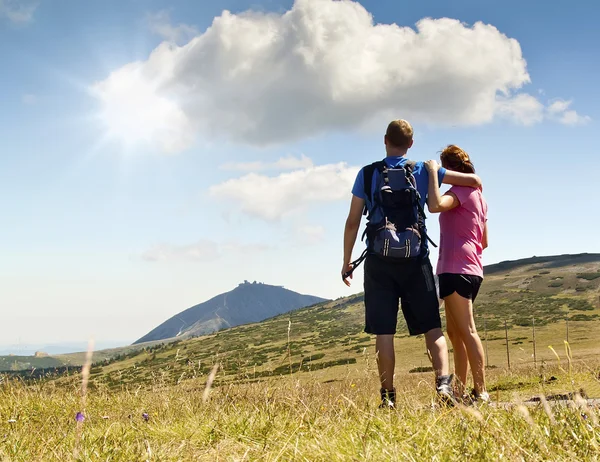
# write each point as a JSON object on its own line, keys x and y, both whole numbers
{"x": 443, "y": 386}
{"x": 388, "y": 399}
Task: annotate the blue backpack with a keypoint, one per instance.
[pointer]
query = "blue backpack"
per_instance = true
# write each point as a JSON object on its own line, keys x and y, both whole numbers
{"x": 396, "y": 220}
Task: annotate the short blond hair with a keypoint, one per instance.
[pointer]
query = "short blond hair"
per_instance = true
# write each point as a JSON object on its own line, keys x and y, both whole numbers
{"x": 399, "y": 133}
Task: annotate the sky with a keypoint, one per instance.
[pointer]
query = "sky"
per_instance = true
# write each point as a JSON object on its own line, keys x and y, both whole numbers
{"x": 154, "y": 154}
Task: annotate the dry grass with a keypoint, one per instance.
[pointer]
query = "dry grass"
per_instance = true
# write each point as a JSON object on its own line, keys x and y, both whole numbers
{"x": 297, "y": 417}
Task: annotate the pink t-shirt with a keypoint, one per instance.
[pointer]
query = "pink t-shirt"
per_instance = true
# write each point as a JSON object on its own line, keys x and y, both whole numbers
{"x": 461, "y": 233}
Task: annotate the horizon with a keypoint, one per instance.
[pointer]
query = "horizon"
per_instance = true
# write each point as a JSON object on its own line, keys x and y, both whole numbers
{"x": 157, "y": 153}
{"x": 58, "y": 348}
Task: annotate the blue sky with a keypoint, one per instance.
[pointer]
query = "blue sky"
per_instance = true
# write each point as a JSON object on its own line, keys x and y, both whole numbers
{"x": 148, "y": 163}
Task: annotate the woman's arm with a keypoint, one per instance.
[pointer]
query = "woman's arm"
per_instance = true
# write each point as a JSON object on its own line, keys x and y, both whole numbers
{"x": 435, "y": 201}
{"x": 461, "y": 179}
{"x": 484, "y": 239}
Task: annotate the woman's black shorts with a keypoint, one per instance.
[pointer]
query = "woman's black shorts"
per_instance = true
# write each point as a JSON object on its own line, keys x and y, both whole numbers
{"x": 465, "y": 285}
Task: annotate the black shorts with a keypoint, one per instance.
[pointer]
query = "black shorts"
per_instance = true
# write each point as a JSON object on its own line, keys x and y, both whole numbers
{"x": 465, "y": 285}
{"x": 412, "y": 282}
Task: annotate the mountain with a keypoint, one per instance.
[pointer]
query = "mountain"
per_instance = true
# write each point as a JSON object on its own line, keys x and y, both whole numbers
{"x": 247, "y": 303}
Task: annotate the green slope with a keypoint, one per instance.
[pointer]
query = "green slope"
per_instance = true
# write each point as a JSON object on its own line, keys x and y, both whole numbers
{"x": 17, "y": 363}
{"x": 330, "y": 334}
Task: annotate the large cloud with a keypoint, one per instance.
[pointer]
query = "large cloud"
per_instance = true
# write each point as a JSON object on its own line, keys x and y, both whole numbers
{"x": 272, "y": 197}
{"x": 324, "y": 65}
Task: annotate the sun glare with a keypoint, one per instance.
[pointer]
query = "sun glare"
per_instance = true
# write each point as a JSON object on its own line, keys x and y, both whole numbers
{"x": 136, "y": 115}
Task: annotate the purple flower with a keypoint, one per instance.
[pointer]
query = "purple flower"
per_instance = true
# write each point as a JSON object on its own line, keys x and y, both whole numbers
{"x": 79, "y": 417}
{"x": 145, "y": 416}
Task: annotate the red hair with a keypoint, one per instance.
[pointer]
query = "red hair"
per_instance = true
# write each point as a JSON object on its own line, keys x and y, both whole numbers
{"x": 455, "y": 158}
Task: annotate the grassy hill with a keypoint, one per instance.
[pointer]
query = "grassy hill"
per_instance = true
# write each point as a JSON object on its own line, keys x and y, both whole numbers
{"x": 303, "y": 386}
{"x": 561, "y": 294}
{"x": 550, "y": 290}
{"x": 16, "y": 363}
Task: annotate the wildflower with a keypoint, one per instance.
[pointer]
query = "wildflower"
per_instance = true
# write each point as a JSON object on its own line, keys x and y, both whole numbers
{"x": 145, "y": 416}
{"x": 79, "y": 417}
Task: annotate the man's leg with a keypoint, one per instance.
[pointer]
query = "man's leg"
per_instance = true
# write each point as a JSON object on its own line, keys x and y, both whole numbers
{"x": 386, "y": 360}
{"x": 436, "y": 344}
{"x": 422, "y": 313}
{"x": 381, "y": 316}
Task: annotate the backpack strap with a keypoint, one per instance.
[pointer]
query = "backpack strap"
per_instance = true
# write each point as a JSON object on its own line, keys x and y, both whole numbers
{"x": 355, "y": 264}
{"x": 368, "y": 181}
{"x": 409, "y": 167}
{"x": 410, "y": 164}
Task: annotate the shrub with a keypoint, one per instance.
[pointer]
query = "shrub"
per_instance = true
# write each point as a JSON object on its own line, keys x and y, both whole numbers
{"x": 589, "y": 276}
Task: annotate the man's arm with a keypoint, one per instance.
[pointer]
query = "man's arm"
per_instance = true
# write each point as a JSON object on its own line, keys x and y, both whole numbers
{"x": 461, "y": 179}
{"x": 351, "y": 232}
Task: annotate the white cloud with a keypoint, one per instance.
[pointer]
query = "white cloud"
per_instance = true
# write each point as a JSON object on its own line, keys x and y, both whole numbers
{"x": 29, "y": 99}
{"x": 284, "y": 163}
{"x": 201, "y": 251}
{"x": 160, "y": 24}
{"x": 272, "y": 197}
{"x": 263, "y": 78}
{"x": 523, "y": 108}
{"x": 18, "y": 11}
{"x": 572, "y": 118}
{"x": 558, "y": 106}
{"x": 559, "y": 110}
{"x": 324, "y": 65}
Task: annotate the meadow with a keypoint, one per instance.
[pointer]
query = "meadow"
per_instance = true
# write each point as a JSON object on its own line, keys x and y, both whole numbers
{"x": 301, "y": 416}
{"x": 303, "y": 386}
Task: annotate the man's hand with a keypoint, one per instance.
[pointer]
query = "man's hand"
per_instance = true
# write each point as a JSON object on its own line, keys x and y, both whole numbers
{"x": 432, "y": 166}
{"x": 350, "y": 233}
{"x": 347, "y": 268}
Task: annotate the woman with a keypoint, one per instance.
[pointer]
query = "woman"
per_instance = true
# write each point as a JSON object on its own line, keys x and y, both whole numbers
{"x": 463, "y": 229}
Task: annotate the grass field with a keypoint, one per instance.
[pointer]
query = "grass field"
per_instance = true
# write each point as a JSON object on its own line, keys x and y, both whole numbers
{"x": 305, "y": 417}
{"x": 303, "y": 386}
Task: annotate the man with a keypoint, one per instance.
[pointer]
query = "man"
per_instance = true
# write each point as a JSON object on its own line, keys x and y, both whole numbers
{"x": 409, "y": 280}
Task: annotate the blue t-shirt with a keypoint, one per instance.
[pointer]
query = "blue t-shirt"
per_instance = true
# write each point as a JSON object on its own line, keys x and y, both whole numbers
{"x": 420, "y": 173}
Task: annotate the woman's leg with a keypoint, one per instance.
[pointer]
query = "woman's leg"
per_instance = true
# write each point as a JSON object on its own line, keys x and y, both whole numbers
{"x": 460, "y": 352}
{"x": 461, "y": 312}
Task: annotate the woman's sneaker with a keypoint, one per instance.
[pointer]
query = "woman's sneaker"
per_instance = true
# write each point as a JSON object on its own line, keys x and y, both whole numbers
{"x": 388, "y": 399}
{"x": 481, "y": 397}
{"x": 477, "y": 398}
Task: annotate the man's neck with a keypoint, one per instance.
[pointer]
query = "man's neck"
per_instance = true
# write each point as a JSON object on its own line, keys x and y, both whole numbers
{"x": 396, "y": 153}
